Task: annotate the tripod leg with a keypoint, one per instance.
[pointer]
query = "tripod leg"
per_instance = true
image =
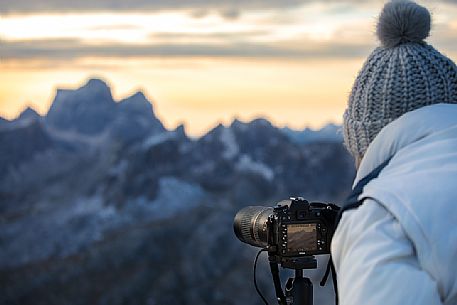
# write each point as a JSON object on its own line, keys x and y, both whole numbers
{"x": 302, "y": 290}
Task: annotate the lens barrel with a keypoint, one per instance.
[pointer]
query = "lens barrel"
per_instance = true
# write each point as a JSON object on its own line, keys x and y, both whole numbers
{"x": 250, "y": 225}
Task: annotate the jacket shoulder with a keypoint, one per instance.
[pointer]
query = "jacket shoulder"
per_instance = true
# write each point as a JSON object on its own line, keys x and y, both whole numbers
{"x": 373, "y": 257}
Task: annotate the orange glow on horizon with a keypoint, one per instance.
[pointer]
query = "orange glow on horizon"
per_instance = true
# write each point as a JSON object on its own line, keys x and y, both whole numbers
{"x": 293, "y": 65}
{"x": 198, "y": 92}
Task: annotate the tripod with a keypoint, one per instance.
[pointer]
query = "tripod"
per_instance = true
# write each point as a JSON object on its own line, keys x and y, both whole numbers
{"x": 298, "y": 290}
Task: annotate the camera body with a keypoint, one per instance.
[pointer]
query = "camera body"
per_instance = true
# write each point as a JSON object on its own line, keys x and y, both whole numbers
{"x": 299, "y": 228}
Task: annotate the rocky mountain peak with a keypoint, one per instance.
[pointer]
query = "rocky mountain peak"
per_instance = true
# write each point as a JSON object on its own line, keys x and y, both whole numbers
{"x": 137, "y": 102}
{"x": 139, "y": 95}
{"x": 328, "y": 133}
{"x": 181, "y": 131}
{"x": 87, "y": 110}
{"x": 91, "y": 110}
{"x": 96, "y": 85}
{"x": 28, "y": 114}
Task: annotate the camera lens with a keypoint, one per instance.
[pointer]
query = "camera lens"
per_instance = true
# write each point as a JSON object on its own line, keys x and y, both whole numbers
{"x": 250, "y": 225}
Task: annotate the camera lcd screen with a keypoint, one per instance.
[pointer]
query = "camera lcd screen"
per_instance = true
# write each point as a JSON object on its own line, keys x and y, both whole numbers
{"x": 301, "y": 237}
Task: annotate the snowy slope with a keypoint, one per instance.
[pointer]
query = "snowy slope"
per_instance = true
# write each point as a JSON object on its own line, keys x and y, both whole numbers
{"x": 100, "y": 204}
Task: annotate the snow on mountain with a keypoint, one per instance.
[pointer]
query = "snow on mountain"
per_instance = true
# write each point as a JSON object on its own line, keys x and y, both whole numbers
{"x": 173, "y": 198}
{"x": 228, "y": 139}
{"x": 245, "y": 163}
{"x": 154, "y": 140}
{"x": 61, "y": 231}
{"x": 77, "y": 224}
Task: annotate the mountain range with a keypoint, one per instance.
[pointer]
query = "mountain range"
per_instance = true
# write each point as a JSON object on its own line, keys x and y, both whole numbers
{"x": 101, "y": 204}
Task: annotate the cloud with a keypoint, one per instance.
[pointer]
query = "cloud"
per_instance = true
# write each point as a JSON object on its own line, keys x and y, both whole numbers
{"x": 228, "y": 7}
{"x": 337, "y": 31}
{"x": 230, "y": 13}
{"x": 57, "y": 49}
{"x": 134, "y": 5}
{"x": 114, "y": 27}
{"x": 28, "y": 6}
{"x": 214, "y": 37}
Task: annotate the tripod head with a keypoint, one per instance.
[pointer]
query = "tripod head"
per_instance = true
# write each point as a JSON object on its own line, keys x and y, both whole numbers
{"x": 298, "y": 290}
{"x": 296, "y": 263}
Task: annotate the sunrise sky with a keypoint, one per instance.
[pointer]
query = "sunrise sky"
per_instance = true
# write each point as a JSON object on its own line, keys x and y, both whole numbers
{"x": 199, "y": 61}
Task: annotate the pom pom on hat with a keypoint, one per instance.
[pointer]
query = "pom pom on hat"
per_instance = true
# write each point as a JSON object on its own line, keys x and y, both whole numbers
{"x": 401, "y": 22}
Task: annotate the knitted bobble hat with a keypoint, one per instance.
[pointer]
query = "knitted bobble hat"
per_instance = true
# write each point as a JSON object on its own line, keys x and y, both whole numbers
{"x": 401, "y": 75}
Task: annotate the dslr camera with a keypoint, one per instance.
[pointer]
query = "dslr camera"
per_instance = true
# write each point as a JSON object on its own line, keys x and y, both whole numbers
{"x": 294, "y": 228}
{"x": 292, "y": 233}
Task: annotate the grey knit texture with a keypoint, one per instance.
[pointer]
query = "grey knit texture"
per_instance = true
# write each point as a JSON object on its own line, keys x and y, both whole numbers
{"x": 396, "y": 78}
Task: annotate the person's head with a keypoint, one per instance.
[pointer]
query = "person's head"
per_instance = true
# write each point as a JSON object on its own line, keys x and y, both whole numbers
{"x": 403, "y": 74}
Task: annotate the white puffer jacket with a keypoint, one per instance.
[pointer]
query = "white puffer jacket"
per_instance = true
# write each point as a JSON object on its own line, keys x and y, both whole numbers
{"x": 401, "y": 246}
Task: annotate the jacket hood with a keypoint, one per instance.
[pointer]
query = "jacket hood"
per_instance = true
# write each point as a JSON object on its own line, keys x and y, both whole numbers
{"x": 406, "y": 130}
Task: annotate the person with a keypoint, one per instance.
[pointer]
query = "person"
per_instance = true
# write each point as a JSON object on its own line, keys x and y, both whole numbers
{"x": 399, "y": 245}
